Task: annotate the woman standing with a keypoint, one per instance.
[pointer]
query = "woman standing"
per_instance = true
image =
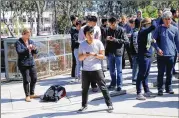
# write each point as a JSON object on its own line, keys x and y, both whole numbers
{"x": 26, "y": 49}
{"x": 144, "y": 57}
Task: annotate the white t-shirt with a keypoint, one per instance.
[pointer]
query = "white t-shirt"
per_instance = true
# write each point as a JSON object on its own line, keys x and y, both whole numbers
{"x": 91, "y": 63}
{"x": 97, "y": 33}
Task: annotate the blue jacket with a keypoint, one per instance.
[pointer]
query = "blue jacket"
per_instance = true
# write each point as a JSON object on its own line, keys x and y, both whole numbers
{"x": 25, "y": 58}
{"x": 167, "y": 40}
{"x": 142, "y": 41}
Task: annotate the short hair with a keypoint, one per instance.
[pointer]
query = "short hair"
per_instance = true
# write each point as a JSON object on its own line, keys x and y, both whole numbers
{"x": 25, "y": 31}
{"x": 72, "y": 17}
{"x": 173, "y": 11}
{"x": 167, "y": 14}
{"x": 131, "y": 21}
{"x": 112, "y": 20}
{"x": 123, "y": 17}
{"x": 79, "y": 22}
{"x": 92, "y": 18}
{"x": 104, "y": 20}
{"x": 88, "y": 29}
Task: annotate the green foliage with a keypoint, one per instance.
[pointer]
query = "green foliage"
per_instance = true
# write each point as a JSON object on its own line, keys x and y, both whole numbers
{"x": 149, "y": 11}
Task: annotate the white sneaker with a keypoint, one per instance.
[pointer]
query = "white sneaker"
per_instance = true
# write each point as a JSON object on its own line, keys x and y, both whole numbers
{"x": 140, "y": 97}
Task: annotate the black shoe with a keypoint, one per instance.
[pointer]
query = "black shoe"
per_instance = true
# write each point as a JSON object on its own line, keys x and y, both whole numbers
{"x": 110, "y": 87}
{"x": 110, "y": 109}
{"x": 170, "y": 91}
{"x": 160, "y": 93}
{"x": 82, "y": 109}
{"x": 118, "y": 89}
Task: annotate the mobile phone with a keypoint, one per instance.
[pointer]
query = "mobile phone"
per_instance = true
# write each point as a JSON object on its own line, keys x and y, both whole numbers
{"x": 87, "y": 52}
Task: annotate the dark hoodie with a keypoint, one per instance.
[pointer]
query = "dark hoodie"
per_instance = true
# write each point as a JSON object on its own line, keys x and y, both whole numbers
{"x": 142, "y": 40}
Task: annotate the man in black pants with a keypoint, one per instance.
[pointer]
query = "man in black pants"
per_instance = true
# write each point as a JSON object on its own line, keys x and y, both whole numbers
{"x": 91, "y": 52}
{"x": 72, "y": 32}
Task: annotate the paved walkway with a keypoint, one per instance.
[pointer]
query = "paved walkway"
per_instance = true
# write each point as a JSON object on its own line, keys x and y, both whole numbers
{"x": 126, "y": 106}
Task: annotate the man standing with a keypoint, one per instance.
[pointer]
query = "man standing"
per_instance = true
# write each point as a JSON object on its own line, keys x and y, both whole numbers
{"x": 128, "y": 31}
{"x": 91, "y": 52}
{"x": 91, "y": 21}
{"x": 116, "y": 38}
{"x": 72, "y": 32}
{"x": 167, "y": 38}
{"x": 175, "y": 15}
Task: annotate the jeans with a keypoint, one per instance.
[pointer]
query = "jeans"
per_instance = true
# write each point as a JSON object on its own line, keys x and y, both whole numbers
{"x": 96, "y": 77}
{"x": 142, "y": 77}
{"x": 29, "y": 75}
{"x": 115, "y": 62}
{"x": 165, "y": 64}
{"x": 135, "y": 67}
{"x": 78, "y": 64}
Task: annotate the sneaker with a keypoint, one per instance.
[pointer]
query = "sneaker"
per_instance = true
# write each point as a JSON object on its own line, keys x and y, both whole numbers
{"x": 149, "y": 94}
{"x": 160, "y": 93}
{"x": 133, "y": 82}
{"x": 82, "y": 109}
{"x": 110, "y": 109}
{"x": 95, "y": 89}
{"x": 34, "y": 96}
{"x": 140, "y": 97}
{"x": 27, "y": 99}
{"x": 110, "y": 87}
{"x": 118, "y": 89}
{"x": 170, "y": 91}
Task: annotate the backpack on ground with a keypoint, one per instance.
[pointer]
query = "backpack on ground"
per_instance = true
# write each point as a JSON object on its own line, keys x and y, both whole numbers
{"x": 54, "y": 93}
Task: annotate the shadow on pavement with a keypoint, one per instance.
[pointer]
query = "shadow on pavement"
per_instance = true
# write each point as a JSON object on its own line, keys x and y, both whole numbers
{"x": 157, "y": 104}
{"x": 11, "y": 100}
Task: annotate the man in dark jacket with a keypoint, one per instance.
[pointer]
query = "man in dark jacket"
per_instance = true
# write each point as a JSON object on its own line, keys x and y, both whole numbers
{"x": 116, "y": 38}
{"x": 72, "y": 32}
{"x": 144, "y": 57}
{"x": 128, "y": 31}
{"x": 134, "y": 51}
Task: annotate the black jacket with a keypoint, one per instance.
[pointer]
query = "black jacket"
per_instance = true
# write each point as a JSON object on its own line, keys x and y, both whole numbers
{"x": 74, "y": 37}
{"x": 25, "y": 58}
{"x": 116, "y": 47}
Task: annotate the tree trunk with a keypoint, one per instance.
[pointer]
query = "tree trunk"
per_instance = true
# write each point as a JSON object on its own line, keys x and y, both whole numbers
{"x": 7, "y": 25}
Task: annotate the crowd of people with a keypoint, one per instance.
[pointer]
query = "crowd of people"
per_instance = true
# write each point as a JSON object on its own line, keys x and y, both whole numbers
{"x": 91, "y": 44}
{"x": 140, "y": 37}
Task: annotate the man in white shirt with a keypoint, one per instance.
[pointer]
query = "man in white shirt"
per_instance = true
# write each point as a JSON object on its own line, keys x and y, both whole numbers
{"x": 91, "y": 52}
{"x": 92, "y": 22}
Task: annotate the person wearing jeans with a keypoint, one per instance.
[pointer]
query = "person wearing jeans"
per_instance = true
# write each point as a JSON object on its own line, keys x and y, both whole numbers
{"x": 26, "y": 49}
{"x": 134, "y": 51}
{"x": 91, "y": 52}
{"x": 167, "y": 38}
{"x": 116, "y": 38}
{"x": 144, "y": 57}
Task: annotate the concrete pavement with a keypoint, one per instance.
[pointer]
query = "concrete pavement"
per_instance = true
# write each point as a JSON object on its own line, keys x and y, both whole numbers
{"x": 125, "y": 106}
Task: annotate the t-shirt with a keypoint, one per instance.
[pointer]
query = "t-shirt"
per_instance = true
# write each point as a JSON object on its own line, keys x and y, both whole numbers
{"x": 91, "y": 63}
{"x": 97, "y": 33}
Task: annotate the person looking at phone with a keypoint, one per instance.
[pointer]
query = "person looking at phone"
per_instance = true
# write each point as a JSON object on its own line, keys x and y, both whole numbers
{"x": 26, "y": 49}
{"x": 116, "y": 38}
{"x": 91, "y": 52}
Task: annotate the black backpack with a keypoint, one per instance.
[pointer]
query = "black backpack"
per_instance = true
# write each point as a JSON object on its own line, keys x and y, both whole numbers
{"x": 54, "y": 93}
